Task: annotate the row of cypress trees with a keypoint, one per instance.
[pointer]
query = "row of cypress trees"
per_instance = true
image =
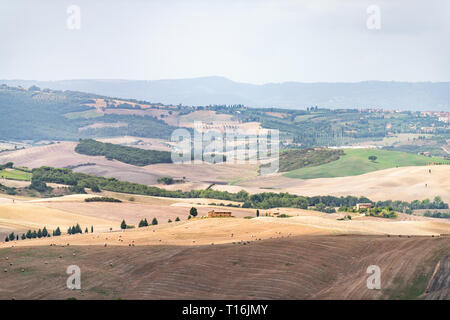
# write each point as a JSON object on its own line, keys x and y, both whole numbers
{"x": 32, "y": 234}
{"x": 77, "y": 229}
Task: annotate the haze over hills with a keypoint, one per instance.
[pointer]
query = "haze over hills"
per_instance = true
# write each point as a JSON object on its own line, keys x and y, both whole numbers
{"x": 294, "y": 95}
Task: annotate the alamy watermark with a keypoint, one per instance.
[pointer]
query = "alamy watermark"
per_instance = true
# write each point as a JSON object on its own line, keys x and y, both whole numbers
{"x": 373, "y": 21}
{"x": 224, "y": 143}
{"x": 73, "y": 21}
{"x": 74, "y": 280}
{"x": 374, "y": 280}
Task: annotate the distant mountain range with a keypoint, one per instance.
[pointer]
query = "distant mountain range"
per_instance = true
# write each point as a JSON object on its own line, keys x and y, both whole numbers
{"x": 292, "y": 95}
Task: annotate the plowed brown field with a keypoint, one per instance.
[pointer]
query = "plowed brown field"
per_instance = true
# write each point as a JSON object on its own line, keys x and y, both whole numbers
{"x": 302, "y": 267}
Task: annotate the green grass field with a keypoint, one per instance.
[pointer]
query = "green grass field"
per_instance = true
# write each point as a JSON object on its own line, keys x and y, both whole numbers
{"x": 356, "y": 162}
{"x": 15, "y": 174}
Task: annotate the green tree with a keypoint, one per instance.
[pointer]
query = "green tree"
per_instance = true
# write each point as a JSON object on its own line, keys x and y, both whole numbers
{"x": 92, "y": 229}
{"x": 12, "y": 236}
{"x": 38, "y": 185}
{"x": 57, "y": 232}
{"x": 143, "y": 223}
{"x": 247, "y": 204}
{"x": 193, "y": 212}
{"x": 177, "y": 219}
{"x": 373, "y": 158}
{"x": 34, "y": 234}
{"x": 257, "y": 212}
{"x": 123, "y": 225}
{"x": 154, "y": 222}
{"x": 39, "y": 233}
{"x": 44, "y": 232}
{"x": 23, "y": 237}
{"x": 86, "y": 230}
{"x": 29, "y": 235}
{"x": 169, "y": 221}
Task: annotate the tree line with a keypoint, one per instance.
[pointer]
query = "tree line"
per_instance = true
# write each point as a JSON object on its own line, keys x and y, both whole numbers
{"x": 130, "y": 155}
{"x": 266, "y": 200}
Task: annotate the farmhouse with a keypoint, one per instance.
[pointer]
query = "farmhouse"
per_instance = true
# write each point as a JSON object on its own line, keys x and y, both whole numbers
{"x": 215, "y": 214}
{"x": 273, "y": 214}
{"x": 363, "y": 206}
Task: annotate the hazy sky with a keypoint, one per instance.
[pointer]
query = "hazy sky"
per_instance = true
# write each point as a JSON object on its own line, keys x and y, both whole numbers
{"x": 253, "y": 41}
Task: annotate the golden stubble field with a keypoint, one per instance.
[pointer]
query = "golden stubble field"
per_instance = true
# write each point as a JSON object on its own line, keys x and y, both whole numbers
{"x": 308, "y": 256}
{"x": 23, "y": 214}
{"x": 310, "y": 266}
{"x": 405, "y": 183}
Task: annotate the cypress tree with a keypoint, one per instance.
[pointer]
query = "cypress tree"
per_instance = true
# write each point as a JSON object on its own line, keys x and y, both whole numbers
{"x": 92, "y": 229}
{"x": 86, "y": 230}
{"x": 57, "y": 232}
{"x": 123, "y": 225}
{"x": 39, "y": 234}
{"x": 44, "y": 232}
{"x": 154, "y": 221}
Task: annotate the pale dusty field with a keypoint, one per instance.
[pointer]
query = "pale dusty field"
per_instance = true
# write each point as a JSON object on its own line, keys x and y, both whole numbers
{"x": 62, "y": 155}
{"x": 199, "y": 230}
{"x": 23, "y": 216}
{"x": 406, "y": 183}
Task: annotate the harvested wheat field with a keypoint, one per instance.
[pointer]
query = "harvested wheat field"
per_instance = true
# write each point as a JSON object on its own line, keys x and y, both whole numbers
{"x": 301, "y": 267}
{"x": 139, "y": 208}
{"x": 72, "y": 209}
{"x": 63, "y": 154}
{"x": 406, "y": 184}
{"x": 207, "y": 231}
{"x": 23, "y": 216}
{"x": 303, "y": 257}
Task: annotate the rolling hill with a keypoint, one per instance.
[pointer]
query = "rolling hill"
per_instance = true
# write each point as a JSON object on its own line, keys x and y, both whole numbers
{"x": 261, "y": 261}
{"x": 293, "y": 95}
{"x": 356, "y": 162}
